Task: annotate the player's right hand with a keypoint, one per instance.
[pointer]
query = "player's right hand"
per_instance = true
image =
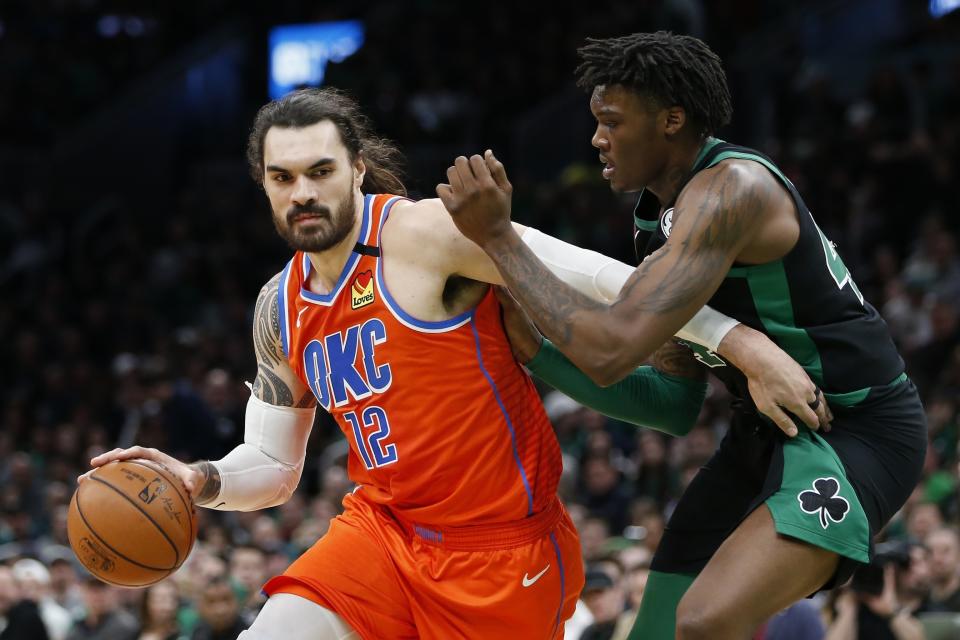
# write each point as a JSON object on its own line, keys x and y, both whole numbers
{"x": 187, "y": 474}
{"x": 525, "y": 339}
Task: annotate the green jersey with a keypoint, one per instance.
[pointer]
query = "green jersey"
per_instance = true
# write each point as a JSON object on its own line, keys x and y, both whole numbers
{"x": 806, "y": 302}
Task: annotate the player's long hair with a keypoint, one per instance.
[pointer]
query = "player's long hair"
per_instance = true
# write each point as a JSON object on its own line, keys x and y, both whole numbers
{"x": 306, "y": 107}
{"x": 671, "y": 69}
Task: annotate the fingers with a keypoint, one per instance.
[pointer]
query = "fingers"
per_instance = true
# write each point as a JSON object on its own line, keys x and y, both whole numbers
{"x": 805, "y": 413}
{"x": 481, "y": 171}
{"x": 116, "y": 454}
{"x": 780, "y": 418}
{"x": 445, "y": 193}
{"x": 823, "y": 411}
{"x": 498, "y": 171}
{"x": 126, "y": 454}
{"x": 463, "y": 168}
{"x": 453, "y": 175}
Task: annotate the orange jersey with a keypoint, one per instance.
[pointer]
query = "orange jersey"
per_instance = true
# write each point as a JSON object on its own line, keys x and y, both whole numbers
{"x": 444, "y": 426}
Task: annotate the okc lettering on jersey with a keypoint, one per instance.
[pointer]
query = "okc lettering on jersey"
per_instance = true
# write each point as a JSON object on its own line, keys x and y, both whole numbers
{"x": 331, "y": 365}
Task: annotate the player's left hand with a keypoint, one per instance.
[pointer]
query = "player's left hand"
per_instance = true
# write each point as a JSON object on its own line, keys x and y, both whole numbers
{"x": 777, "y": 384}
{"x": 478, "y": 197}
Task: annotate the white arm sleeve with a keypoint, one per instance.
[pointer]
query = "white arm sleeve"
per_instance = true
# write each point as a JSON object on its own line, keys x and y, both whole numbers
{"x": 265, "y": 470}
{"x": 601, "y": 278}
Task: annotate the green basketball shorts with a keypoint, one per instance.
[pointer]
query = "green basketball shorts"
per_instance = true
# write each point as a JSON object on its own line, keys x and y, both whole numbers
{"x": 834, "y": 490}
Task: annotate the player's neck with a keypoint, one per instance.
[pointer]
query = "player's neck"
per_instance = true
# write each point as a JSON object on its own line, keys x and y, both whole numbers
{"x": 667, "y": 186}
{"x": 328, "y": 265}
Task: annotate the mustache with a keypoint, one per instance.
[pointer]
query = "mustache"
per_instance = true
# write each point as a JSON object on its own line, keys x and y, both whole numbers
{"x": 301, "y": 209}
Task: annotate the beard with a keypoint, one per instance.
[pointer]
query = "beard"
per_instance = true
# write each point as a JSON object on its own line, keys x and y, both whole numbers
{"x": 329, "y": 232}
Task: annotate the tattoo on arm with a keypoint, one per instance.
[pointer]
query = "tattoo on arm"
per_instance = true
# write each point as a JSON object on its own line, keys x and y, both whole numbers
{"x": 268, "y": 386}
{"x": 546, "y": 297}
{"x": 266, "y": 324}
{"x": 719, "y": 223}
{"x": 209, "y": 487}
{"x": 677, "y": 360}
{"x": 726, "y": 214}
{"x": 271, "y": 389}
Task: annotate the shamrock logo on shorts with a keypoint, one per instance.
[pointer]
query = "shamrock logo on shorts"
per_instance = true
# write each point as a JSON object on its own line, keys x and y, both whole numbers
{"x": 823, "y": 500}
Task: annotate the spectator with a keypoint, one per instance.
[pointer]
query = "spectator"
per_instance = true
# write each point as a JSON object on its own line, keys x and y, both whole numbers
{"x": 102, "y": 619}
{"x": 604, "y": 598}
{"x": 635, "y": 582}
{"x": 34, "y": 581}
{"x": 924, "y": 518}
{"x": 219, "y": 613}
{"x": 944, "y": 545}
{"x": 248, "y": 571}
{"x": 876, "y": 607}
{"x": 602, "y": 493}
{"x": 64, "y": 586}
{"x": 159, "y": 605}
{"x": 800, "y": 621}
{"x": 19, "y": 618}
{"x": 656, "y": 477}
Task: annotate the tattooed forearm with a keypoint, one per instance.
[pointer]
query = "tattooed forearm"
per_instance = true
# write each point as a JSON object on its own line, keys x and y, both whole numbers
{"x": 209, "y": 487}
{"x": 711, "y": 223}
{"x": 549, "y": 301}
{"x": 677, "y": 360}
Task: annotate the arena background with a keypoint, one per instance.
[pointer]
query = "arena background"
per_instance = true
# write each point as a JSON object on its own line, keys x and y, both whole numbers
{"x": 133, "y": 243}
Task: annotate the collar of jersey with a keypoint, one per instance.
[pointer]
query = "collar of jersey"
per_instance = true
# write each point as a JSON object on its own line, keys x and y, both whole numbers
{"x": 327, "y": 299}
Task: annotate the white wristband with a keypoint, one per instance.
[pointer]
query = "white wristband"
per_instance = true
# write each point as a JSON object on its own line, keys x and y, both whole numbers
{"x": 707, "y": 328}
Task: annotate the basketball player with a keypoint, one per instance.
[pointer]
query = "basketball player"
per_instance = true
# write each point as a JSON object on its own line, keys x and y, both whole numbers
{"x": 383, "y": 318}
{"x": 768, "y": 520}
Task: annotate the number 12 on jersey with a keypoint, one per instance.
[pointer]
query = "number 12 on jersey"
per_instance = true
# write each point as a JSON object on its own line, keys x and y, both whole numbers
{"x": 370, "y": 429}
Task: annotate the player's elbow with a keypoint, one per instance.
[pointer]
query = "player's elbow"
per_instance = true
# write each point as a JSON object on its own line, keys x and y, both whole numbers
{"x": 610, "y": 366}
{"x": 607, "y": 374}
{"x": 288, "y": 484}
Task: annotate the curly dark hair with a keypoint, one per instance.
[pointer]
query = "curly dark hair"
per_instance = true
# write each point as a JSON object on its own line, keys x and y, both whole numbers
{"x": 305, "y": 107}
{"x": 671, "y": 69}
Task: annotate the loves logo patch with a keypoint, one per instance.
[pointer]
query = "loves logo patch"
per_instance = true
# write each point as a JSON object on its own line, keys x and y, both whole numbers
{"x": 361, "y": 293}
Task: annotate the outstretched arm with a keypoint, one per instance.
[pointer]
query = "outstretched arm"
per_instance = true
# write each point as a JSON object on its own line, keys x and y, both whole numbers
{"x": 710, "y": 226}
{"x": 668, "y": 395}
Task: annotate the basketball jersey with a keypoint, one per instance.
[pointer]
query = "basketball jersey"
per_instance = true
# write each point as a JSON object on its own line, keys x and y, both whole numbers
{"x": 444, "y": 426}
{"x": 806, "y": 302}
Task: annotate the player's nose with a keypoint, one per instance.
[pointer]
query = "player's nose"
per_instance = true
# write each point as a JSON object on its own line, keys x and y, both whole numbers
{"x": 304, "y": 191}
{"x": 598, "y": 141}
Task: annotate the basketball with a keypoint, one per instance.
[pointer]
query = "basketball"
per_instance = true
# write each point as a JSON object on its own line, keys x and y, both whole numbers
{"x": 131, "y": 523}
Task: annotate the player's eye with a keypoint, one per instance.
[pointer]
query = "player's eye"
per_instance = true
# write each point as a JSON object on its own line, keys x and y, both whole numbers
{"x": 281, "y": 177}
{"x": 319, "y": 173}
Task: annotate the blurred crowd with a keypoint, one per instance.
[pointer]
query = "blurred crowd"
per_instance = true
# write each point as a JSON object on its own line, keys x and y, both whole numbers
{"x": 129, "y": 322}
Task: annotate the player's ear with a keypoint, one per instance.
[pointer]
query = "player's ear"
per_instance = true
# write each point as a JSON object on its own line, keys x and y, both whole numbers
{"x": 359, "y": 171}
{"x": 675, "y": 119}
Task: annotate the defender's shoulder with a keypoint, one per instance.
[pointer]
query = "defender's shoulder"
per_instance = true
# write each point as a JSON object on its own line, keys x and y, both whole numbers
{"x": 733, "y": 180}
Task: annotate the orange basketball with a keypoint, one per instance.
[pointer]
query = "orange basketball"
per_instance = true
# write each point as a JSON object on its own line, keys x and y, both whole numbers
{"x": 131, "y": 523}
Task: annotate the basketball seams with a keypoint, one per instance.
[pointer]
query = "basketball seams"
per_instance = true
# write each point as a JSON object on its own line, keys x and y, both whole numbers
{"x": 109, "y": 546}
{"x": 188, "y": 505}
{"x": 176, "y": 551}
